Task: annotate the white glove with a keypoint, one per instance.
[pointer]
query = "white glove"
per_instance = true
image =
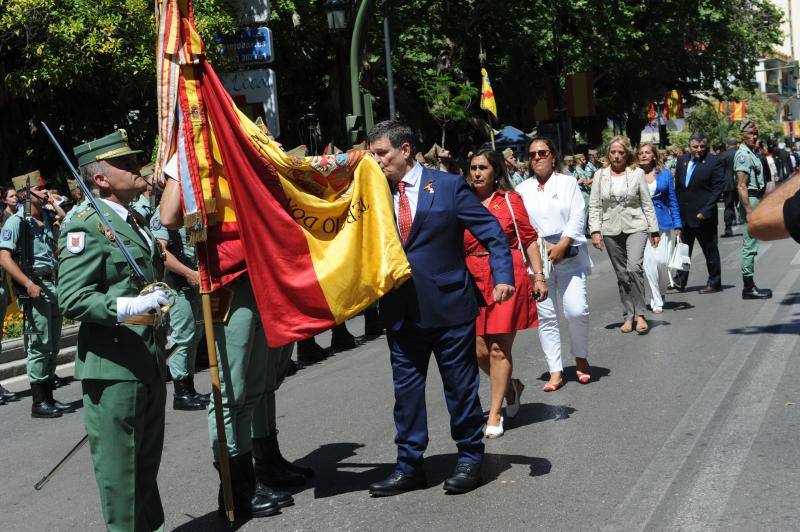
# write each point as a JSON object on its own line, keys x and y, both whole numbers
{"x": 127, "y": 307}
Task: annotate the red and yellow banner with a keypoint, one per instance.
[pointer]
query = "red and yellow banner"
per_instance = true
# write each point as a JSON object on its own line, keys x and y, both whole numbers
{"x": 734, "y": 110}
{"x": 315, "y": 235}
{"x": 791, "y": 129}
{"x": 488, "y": 102}
{"x": 673, "y": 105}
{"x": 580, "y": 95}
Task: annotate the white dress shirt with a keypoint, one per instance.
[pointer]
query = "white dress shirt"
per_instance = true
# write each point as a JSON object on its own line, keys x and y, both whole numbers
{"x": 122, "y": 212}
{"x": 411, "y": 179}
{"x": 557, "y": 208}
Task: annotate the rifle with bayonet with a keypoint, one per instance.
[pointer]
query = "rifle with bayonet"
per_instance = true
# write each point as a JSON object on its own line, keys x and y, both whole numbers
{"x": 24, "y": 259}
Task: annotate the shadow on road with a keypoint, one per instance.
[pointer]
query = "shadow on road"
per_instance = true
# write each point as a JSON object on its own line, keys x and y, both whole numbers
{"x": 772, "y": 328}
{"x": 651, "y": 322}
{"x": 791, "y": 299}
{"x": 570, "y": 375}
{"x": 210, "y": 522}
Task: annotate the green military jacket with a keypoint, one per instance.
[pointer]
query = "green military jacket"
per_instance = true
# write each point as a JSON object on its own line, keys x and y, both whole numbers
{"x": 44, "y": 244}
{"x": 93, "y": 273}
{"x": 748, "y": 162}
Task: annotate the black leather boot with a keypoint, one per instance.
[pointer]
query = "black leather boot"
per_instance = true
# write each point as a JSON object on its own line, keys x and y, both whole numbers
{"x": 182, "y": 398}
{"x": 282, "y": 498}
{"x": 204, "y": 398}
{"x": 246, "y": 501}
{"x": 270, "y": 469}
{"x": 58, "y": 405}
{"x": 372, "y": 322}
{"x": 7, "y": 395}
{"x": 41, "y": 408}
{"x": 751, "y": 291}
{"x": 341, "y": 338}
{"x": 291, "y": 466}
{"x": 310, "y": 352}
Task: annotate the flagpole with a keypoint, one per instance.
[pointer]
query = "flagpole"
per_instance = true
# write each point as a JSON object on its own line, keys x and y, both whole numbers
{"x": 222, "y": 439}
{"x": 491, "y": 129}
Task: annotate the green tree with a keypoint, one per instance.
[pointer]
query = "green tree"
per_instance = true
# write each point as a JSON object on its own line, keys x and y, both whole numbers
{"x": 448, "y": 100}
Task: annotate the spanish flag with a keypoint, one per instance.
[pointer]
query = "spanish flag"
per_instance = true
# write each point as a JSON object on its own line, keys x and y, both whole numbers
{"x": 488, "y": 102}
{"x": 738, "y": 110}
{"x": 316, "y": 235}
{"x": 580, "y": 94}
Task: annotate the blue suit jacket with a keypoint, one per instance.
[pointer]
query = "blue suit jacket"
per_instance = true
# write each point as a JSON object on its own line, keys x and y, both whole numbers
{"x": 666, "y": 202}
{"x": 441, "y": 291}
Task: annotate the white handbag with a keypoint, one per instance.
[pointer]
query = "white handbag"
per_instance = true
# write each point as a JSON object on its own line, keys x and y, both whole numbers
{"x": 680, "y": 259}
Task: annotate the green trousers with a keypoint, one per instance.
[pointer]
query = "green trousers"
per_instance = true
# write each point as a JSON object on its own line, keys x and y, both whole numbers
{"x": 3, "y": 299}
{"x": 185, "y": 319}
{"x": 264, "y": 416}
{"x": 241, "y": 353}
{"x": 125, "y": 424}
{"x": 749, "y": 244}
{"x": 42, "y": 349}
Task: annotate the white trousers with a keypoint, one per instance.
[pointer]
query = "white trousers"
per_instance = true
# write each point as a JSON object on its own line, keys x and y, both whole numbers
{"x": 655, "y": 267}
{"x": 566, "y": 297}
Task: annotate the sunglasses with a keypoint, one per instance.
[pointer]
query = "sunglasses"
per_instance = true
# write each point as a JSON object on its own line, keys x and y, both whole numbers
{"x": 539, "y": 154}
{"x": 478, "y": 167}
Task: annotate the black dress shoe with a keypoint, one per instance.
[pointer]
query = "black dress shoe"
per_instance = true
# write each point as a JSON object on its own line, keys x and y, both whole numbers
{"x": 58, "y": 405}
{"x": 204, "y": 398}
{"x": 40, "y": 407}
{"x": 755, "y": 292}
{"x": 710, "y": 290}
{"x": 7, "y": 395}
{"x": 183, "y": 399}
{"x": 398, "y": 483}
{"x": 466, "y": 477}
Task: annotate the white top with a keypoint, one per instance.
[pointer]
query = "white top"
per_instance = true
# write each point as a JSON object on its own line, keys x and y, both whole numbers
{"x": 123, "y": 212}
{"x": 556, "y": 208}
{"x": 411, "y": 179}
{"x": 652, "y": 187}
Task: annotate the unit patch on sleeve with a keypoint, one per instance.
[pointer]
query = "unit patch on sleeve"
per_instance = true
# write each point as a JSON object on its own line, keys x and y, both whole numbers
{"x": 76, "y": 241}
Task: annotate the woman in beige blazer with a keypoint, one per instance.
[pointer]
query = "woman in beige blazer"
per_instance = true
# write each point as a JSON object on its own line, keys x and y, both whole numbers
{"x": 621, "y": 216}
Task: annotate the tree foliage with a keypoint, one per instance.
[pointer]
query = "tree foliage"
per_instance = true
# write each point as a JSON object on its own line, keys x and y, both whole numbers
{"x": 87, "y": 66}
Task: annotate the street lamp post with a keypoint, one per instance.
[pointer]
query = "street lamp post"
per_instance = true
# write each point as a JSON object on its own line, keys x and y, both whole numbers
{"x": 336, "y": 12}
{"x": 336, "y": 15}
{"x": 356, "y": 120}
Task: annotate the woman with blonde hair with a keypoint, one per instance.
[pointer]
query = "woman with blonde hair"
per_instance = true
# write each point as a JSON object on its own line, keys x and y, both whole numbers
{"x": 661, "y": 186}
{"x": 621, "y": 217}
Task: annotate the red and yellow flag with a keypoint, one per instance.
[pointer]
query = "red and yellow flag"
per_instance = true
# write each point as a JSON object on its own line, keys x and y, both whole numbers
{"x": 580, "y": 95}
{"x": 673, "y": 105}
{"x": 488, "y": 102}
{"x": 316, "y": 235}
{"x": 738, "y": 110}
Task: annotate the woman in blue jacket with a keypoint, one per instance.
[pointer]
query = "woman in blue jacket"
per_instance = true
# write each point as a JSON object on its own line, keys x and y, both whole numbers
{"x": 662, "y": 190}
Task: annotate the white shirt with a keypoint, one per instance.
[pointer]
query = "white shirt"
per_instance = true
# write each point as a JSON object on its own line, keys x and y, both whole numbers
{"x": 411, "y": 179}
{"x": 122, "y": 212}
{"x": 558, "y": 208}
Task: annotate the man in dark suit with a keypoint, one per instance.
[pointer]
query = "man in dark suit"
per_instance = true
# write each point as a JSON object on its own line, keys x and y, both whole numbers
{"x": 435, "y": 310}
{"x": 729, "y": 194}
{"x": 699, "y": 181}
{"x": 782, "y": 155}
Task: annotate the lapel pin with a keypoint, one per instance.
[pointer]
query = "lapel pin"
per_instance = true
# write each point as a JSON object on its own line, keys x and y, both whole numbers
{"x": 429, "y": 187}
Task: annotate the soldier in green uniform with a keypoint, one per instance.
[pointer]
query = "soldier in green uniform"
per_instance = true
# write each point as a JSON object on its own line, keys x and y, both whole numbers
{"x": 45, "y": 316}
{"x": 244, "y": 364}
{"x": 584, "y": 177}
{"x": 185, "y": 316}
{"x": 120, "y": 355}
{"x": 750, "y": 186}
{"x": 591, "y": 163}
{"x": 569, "y": 165}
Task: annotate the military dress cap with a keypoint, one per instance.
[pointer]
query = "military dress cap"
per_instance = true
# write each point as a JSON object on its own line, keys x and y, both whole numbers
{"x": 508, "y": 152}
{"x": 592, "y": 152}
{"x": 568, "y": 158}
{"x": 432, "y": 155}
{"x": 748, "y": 126}
{"x": 35, "y": 177}
{"x": 108, "y": 147}
{"x": 72, "y": 184}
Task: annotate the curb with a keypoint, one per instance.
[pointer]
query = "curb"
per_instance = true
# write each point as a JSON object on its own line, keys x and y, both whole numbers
{"x": 13, "y": 359}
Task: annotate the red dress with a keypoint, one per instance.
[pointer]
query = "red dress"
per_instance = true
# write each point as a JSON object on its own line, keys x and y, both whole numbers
{"x": 519, "y": 312}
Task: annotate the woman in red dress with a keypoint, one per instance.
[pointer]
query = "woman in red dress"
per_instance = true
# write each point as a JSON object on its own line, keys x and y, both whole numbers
{"x": 498, "y": 322}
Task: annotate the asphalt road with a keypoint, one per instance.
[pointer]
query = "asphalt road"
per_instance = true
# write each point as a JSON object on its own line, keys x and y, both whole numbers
{"x": 692, "y": 427}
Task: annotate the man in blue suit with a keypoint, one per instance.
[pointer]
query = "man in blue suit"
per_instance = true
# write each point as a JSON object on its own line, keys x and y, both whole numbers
{"x": 435, "y": 310}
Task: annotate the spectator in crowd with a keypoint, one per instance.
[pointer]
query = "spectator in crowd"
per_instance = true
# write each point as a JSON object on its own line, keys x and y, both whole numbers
{"x": 621, "y": 215}
{"x": 662, "y": 191}
{"x": 498, "y": 322}
{"x": 785, "y": 157}
{"x": 569, "y": 166}
{"x": 515, "y": 177}
{"x": 729, "y": 195}
{"x": 584, "y": 177}
{"x": 555, "y": 208}
{"x": 699, "y": 181}
{"x": 10, "y": 202}
{"x": 778, "y": 214}
{"x": 592, "y": 164}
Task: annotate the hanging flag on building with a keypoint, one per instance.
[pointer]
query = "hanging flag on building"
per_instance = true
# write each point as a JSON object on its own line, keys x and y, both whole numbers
{"x": 315, "y": 235}
{"x": 796, "y": 128}
{"x": 673, "y": 105}
{"x": 738, "y": 110}
{"x": 580, "y": 95}
{"x": 488, "y": 102}
{"x": 542, "y": 110}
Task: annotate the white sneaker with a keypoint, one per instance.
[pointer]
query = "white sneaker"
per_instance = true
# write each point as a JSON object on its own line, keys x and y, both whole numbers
{"x": 491, "y": 431}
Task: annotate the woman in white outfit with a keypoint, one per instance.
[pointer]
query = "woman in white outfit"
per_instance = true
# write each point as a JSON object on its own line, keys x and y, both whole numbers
{"x": 661, "y": 186}
{"x": 556, "y": 209}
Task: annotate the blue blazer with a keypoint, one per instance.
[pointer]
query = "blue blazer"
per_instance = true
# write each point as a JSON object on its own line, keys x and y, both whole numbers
{"x": 441, "y": 291}
{"x": 666, "y": 202}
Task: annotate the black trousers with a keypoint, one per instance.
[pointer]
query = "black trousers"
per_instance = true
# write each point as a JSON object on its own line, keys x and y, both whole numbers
{"x": 706, "y": 236}
{"x": 731, "y": 199}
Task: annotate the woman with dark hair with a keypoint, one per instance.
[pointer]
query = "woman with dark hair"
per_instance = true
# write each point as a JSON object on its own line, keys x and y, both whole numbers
{"x": 555, "y": 206}
{"x": 10, "y": 202}
{"x": 498, "y": 322}
{"x": 621, "y": 219}
{"x": 661, "y": 186}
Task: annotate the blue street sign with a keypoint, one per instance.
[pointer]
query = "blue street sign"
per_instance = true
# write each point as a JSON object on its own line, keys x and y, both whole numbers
{"x": 251, "y": 46}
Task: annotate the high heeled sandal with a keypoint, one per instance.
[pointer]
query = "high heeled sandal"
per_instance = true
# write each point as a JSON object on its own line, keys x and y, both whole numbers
{"x": 553, "y": 387}
{"x": 583, "y": 378}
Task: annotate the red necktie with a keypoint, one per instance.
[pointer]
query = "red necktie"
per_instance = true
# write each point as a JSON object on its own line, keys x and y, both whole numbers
{"x": 403, "y": 212}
